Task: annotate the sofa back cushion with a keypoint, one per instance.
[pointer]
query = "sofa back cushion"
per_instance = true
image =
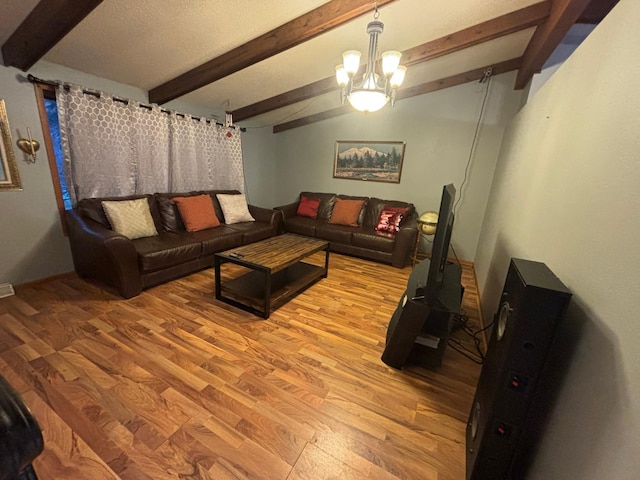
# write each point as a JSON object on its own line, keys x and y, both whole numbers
{"x": 327, "y": 200}
{"x": 92, "y": 208}
{"x": 375, "y": 205}
{"x": 170, "y": 216}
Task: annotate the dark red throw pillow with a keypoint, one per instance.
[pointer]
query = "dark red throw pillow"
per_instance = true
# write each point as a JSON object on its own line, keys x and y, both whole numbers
{"x": 390, "y": 219}
{"x": 308, "y": 207}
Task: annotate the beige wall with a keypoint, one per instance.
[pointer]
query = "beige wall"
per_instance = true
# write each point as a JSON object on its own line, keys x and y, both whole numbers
{"x": 566, "y": 193}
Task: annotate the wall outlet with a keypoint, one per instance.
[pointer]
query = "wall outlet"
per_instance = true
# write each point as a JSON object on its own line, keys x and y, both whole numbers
{"x": 6, "y": 290}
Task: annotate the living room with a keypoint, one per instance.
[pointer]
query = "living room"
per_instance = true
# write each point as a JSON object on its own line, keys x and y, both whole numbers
{"x": 560, "y": 176}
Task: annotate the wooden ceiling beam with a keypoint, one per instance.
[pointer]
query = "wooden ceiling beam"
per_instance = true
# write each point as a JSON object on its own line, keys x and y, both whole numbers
{"x": 320, "y": 20}
{"x": 596, "y": 11}
{"x": 45, "y": 26}
{"x": 447, "y": 82}
{"x": 497, "y": 27}
{"x": 548, "y": 36}
{"x": 509, "y": 23}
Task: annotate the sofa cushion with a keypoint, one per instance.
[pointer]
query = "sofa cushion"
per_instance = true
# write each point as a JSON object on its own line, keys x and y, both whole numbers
{"x": 253, "y": 231}
{"x": 197, "y": 212}
{"x": 308, "y": 207}
{"x": 327, "y": 201}
{"x": 335, "y": 233}
{"x": 346, "y": 212}
{"x": 216, "y": 239}
{"x": 169, "y": 214}
{"x": 301, "y": 226}
{"x": 234, "y": 208}
{"x": 131, "y": 218}
{"x": 367, "y": 237}
{"x": 166, "y": 250}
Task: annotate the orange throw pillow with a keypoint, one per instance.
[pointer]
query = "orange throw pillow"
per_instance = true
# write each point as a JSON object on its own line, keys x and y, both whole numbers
{"x": 196, "y": 212}
{"x": 346, "y": 212}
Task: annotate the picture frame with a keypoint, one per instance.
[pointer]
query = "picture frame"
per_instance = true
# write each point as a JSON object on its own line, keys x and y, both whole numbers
{"x": 9, "y": 176}
{"x": 372, "y": 161}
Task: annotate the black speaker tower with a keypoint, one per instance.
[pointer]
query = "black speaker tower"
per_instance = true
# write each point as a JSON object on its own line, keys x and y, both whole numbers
{"x": 533, "y": 303}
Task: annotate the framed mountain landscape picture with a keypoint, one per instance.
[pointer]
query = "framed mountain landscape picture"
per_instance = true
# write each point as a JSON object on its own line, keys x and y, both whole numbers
{"x": 370, "y": 160}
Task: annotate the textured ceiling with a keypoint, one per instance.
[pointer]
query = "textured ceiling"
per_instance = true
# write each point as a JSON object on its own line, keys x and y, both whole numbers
{"x": 145, "y": 43}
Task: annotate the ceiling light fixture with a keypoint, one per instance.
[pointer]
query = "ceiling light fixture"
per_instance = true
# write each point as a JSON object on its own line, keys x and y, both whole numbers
{"x": 368, "y": 93}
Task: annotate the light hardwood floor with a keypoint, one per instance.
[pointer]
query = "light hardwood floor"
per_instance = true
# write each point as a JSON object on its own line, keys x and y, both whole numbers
{"x": 173, "y": 384}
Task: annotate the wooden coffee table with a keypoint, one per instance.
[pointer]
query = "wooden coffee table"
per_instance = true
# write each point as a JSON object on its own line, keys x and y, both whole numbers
{"x": 277, "y": 272}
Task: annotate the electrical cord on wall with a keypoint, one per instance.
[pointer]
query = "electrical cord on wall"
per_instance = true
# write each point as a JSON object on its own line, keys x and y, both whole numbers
{"x": 486, "y": 78}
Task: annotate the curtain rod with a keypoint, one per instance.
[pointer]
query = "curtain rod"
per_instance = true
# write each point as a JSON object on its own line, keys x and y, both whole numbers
{"x": 34, "y": 79}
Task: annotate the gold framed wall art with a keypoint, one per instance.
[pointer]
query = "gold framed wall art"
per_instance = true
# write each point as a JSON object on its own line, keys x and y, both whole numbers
{"x": 9, "y": 176}
{"x": 369, "y": 160}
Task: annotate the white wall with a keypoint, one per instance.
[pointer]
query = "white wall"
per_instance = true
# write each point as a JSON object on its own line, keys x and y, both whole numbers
{"x": 438, "y": 129}
{"x": 32, "y": 245}
{"x": 566, "y": 193}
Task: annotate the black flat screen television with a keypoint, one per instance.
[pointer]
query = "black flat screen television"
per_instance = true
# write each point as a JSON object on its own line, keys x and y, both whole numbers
{"x": 440, "y": 248}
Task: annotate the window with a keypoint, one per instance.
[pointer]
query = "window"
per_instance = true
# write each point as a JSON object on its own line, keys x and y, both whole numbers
{"x": 54, "y": 131}
{"x": 46, "y": 100}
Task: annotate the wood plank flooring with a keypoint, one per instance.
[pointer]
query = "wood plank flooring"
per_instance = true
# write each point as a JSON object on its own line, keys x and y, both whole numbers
{"x": 173, "y": 384}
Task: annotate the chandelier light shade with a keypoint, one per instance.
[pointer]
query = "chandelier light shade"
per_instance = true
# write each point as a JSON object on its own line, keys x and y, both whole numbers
{"x": 372, "y": 90}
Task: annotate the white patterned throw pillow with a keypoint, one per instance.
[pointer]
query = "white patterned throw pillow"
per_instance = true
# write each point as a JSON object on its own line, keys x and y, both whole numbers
{"x": 130, "y": 218}
{"x": 234, "y": 208}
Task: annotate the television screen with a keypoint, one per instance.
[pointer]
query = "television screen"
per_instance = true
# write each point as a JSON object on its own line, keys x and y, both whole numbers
{"x": 441, "y": 241}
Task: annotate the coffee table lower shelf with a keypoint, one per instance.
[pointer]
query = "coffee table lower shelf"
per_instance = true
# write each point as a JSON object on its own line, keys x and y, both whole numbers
{"x": 249, "y": 293}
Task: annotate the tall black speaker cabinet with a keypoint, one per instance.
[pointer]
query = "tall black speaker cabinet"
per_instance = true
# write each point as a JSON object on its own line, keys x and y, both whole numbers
{"x": 532, "y": 304}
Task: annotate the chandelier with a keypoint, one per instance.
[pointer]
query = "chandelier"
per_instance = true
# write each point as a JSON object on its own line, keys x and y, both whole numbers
{"x": 371, "y": 91}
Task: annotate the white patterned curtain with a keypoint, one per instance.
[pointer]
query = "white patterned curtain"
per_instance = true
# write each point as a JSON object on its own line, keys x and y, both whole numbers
{"x": 116, "y": 148}
{"x": 204, "y": 155}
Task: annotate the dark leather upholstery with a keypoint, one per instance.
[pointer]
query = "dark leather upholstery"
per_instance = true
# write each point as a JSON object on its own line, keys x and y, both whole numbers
{"x": 363, "y": 240}
{"x": 20, "y": 437}
{"x": 131, "y": 265}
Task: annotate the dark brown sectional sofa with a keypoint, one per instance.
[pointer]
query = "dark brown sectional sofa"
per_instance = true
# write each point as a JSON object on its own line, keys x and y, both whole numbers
{"x": 129, "y": 266}
{"x": 362, "y": 240}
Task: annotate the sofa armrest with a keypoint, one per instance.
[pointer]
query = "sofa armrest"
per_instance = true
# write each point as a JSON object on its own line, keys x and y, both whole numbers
{"x": 267, "y": 215}
{"x": 289, "y": 211}
{"x": 405, "y": 243}
{"x": 103, "y": 254}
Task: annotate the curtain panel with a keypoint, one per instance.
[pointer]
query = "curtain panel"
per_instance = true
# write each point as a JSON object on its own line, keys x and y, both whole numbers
{"x": 117, "y": 148}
